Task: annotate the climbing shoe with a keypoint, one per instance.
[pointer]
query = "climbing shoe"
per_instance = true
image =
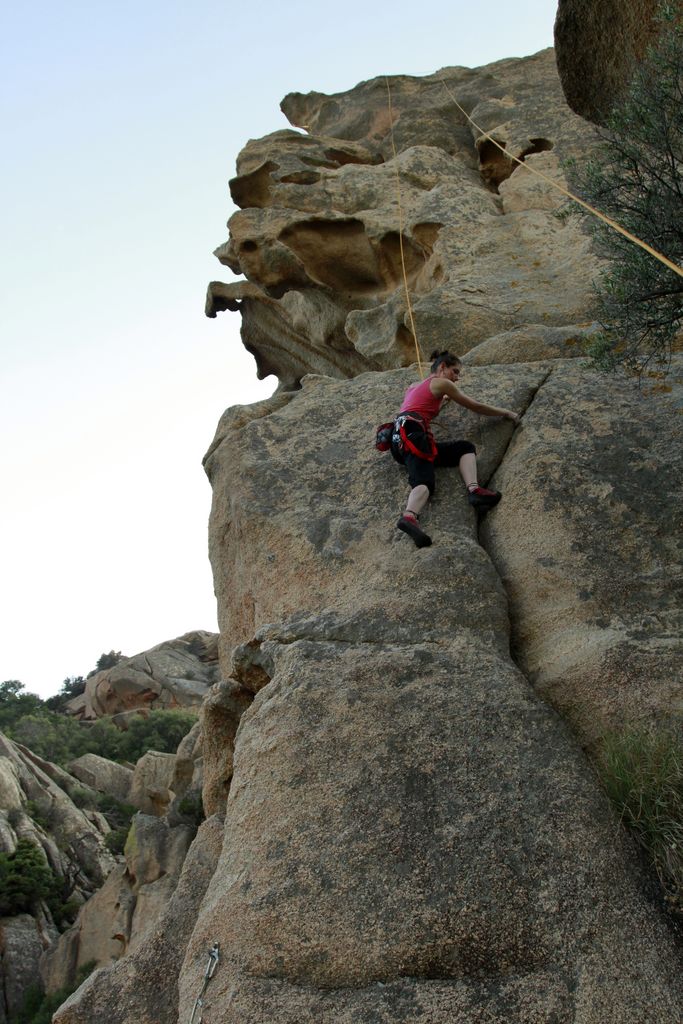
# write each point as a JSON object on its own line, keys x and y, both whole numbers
{"x": 410, "y": 525}
{"x": 483, "y": 499}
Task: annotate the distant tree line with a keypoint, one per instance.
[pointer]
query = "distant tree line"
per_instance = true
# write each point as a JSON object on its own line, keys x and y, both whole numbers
{"x": 43, "y": 728}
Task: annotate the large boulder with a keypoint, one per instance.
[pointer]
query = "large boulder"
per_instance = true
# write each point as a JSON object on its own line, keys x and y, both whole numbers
{"x": 103, "y": 775}
{"x": 174, "y": 674}
{"x": 318, "y": 237}
{"x": 22, "y": 941}
{"x": 188, "y": 765}
{"x": 151, "y": 785}
{"x": 119, "y": 916}
{"x": 588, "y": 545}
{"x": 598, "y": 46}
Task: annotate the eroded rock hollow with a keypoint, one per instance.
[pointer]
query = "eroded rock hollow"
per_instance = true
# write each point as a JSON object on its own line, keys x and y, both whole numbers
{"x": 396, "y": 752}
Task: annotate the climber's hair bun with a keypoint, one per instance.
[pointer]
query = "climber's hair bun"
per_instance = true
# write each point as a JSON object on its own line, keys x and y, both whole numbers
{"x": 446, "y": 358}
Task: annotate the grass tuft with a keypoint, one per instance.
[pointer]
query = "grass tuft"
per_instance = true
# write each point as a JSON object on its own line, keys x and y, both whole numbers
{"x": 642, "y": 771}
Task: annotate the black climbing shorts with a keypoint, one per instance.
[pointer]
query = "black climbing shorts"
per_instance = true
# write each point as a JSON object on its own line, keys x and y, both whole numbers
{"x": 421, "y": 471}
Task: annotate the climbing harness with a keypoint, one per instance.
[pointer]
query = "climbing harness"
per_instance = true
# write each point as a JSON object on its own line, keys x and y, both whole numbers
{"x": 214, "y": 957}
{"x": 383, "y": 436}
{"x": 570, "y": 195}
{"x": 402, "y": 442}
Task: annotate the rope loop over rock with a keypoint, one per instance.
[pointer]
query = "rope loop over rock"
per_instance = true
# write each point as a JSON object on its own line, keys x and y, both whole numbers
{"x": 570, "y": 195}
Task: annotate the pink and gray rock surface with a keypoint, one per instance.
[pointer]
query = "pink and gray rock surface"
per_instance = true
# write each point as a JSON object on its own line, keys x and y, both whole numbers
{"x": 175, "y": 674}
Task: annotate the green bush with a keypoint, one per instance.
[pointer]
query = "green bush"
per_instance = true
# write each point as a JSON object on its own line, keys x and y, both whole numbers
{"x": 37, "y": 815}
{"x": 25, "y": 879}
{"x": 115, "y": 841}
{"x": 60, "y": 739}
{"x": 64, "y": 912}
{"x": 14, "y": 816}
{"x": 160, "y": 730}
{"x": 115, "y": 811}
{"x": 642, "y": 772}
{"x": 14, "y": 704}
{"x": 84, "y": 798}
{"x": 638, "y": 182}
{"x": 39, "y": 1008}
{"x": 73, "y": 686}
{"x": 107, "y": 661}
{"x": 191, "y": 807}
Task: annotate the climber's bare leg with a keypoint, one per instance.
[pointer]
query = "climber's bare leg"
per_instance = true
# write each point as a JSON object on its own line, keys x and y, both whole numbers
{"x": 480, "y": 497}
{"x": 417, "y": 499}
{"x": 468, "y": 469}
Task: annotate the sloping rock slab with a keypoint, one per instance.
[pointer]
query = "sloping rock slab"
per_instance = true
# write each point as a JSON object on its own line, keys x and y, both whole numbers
{"x": 588, "y": 543}
{"x": 532, "y": 343}
{"x": 411, "y": 817}
{"x": 103, "y": 775}
{"x": 304, "y": 507}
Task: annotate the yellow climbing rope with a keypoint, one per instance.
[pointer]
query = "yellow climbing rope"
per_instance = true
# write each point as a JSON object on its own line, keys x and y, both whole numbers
{"x": 539, "y": 174}
{"x": 570, "y": 195}
{"x": 400, "y": 235}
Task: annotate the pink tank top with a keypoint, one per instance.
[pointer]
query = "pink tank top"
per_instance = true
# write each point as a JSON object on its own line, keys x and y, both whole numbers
{"x": 419, "y": 398}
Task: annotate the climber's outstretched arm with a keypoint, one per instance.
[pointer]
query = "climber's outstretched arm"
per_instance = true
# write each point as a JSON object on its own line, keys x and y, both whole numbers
{"x": 446, "y": 389}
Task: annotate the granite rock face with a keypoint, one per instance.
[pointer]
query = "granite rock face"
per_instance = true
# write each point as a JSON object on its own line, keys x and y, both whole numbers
{"x": 120, "y": 915}
{"x": 412, "y": 833}
{"x": 116, "y": 919}
{"x": 152, "y": 781}
{"x": 407, "y": 821}
{"x": 598, "y": 47}
{"x": 588, "y": 544}
{"x": 174, "y": 674}
{"x": 23, "y": 939}
{"x": 120, "y": 898}
{"x": 142, "y": 986}
{"x": 319, "y": 235}
{"x": 36, "y": 806}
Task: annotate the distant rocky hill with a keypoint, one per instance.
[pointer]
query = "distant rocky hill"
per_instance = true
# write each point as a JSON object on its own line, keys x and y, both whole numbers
{"x": 406, "y": 825}
{"x": 174, "y": 674}
{"x": 70, "y": 816}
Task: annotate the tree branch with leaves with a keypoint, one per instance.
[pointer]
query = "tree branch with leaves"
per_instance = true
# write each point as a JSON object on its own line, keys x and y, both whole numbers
{"x": 637, "y": 180}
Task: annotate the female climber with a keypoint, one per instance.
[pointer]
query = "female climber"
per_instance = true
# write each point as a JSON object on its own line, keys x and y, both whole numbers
{"x": 414, "y": 447}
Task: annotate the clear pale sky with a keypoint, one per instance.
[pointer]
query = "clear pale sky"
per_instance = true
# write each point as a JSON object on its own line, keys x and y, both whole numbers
{"x": 121, "y": 123}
